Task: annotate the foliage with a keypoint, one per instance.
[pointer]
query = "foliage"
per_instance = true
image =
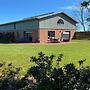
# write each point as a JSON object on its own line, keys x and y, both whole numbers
{"x": 58, "y": 78}
{"x": 10, "y": 78}
{"x": 85, "y": 3}
{"x": 6, "y": 37}
{"x": 43, "y": 76}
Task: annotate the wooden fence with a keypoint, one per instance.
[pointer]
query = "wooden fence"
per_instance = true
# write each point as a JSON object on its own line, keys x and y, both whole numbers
{"x": 81, "y": 35}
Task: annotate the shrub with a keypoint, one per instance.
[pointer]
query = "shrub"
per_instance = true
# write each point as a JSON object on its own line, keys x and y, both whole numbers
{"x": 58, "y": 78}
{"x": 43, "y": 76}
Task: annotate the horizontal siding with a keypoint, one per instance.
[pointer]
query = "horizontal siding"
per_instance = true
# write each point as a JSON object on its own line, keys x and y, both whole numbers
{"x": 7, "y": 27}
{"x": 52, "y": 23}
{"x": 20, "y": 26}
{"x": 27, "y": 25}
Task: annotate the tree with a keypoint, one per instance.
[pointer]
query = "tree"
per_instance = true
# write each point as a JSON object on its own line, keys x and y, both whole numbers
{"x": 81, "y": 14}
{"x": 86, "y": 5}
{"x": 82, "y": 19}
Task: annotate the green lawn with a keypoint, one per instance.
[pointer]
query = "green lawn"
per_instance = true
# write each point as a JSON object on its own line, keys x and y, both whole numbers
{"x": 19, "y": 54}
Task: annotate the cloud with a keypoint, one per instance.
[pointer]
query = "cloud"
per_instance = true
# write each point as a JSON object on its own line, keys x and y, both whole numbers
{"x": 72, "y": 8}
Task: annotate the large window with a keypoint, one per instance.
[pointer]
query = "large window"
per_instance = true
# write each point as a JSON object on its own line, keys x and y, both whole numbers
{"x": 51, "y": 34}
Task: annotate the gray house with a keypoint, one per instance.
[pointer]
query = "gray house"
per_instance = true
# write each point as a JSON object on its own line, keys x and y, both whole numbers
{"x": 49, "y": 27}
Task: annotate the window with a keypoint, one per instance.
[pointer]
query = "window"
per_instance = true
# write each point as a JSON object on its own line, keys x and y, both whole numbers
{"x": 66, "y": 35}
{"x": 51, "y": 34}
{"x": 60, "y": 21}
{"x": 14, "y": 25}
{"x": 28, "y": 36}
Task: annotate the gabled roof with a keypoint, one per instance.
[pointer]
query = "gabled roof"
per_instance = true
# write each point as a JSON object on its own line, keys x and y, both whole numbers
{"x": 38, "y": 17}
{"x": 49, "y": 14}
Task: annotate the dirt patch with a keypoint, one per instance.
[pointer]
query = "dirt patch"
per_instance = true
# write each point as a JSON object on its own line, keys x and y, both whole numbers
{"x": 61, "y": 43}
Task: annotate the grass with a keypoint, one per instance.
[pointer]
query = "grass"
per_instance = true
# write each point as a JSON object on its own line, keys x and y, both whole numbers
{"x": 19, "y": 54}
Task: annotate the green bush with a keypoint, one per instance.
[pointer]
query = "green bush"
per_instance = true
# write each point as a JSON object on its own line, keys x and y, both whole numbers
{"x": 43, "y": 76}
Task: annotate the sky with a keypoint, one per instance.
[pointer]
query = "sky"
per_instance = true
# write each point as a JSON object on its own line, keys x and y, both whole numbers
{"x": 12, "y": 10}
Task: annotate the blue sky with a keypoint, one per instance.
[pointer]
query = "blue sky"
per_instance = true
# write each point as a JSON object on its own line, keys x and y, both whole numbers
{"x": 11, "y": 10}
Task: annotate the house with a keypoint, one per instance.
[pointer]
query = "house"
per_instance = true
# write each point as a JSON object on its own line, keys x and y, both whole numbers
{"x": 49, "y": 27}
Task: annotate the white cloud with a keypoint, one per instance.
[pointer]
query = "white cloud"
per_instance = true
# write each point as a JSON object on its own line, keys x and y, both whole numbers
{"x": 70, "y": 8}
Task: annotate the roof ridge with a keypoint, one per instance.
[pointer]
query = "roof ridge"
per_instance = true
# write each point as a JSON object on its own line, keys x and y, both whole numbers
{"x": 38, "y": 15}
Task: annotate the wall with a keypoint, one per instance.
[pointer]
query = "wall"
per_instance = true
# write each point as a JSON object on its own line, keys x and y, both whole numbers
{"x": 27, "y": 25}
{"x": 43, "y": 34}
{"x": 51, "y": 23}
{"x": 21, "y": 35}
{"x": 7, "y": 27}
{"x": 20, "y": 26}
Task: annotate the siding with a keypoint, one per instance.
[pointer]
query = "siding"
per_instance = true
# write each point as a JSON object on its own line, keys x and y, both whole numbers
{"x": 27, "y": 25}
{"x": 20, "y": 26}
{"x": 7, "y": 27}
{"x": 51, "y": 23}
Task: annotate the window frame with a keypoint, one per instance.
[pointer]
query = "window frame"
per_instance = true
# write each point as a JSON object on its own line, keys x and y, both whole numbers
{"x": 51, "y": 34}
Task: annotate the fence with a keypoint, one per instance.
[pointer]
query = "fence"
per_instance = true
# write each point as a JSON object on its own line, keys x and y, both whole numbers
{"x": 82, "y": 35}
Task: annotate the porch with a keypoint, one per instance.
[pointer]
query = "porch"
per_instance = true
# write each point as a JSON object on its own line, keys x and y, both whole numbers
{"x": 63, "y": 36}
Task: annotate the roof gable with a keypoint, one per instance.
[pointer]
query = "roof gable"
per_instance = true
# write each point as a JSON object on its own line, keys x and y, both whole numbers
{"x": 39, "y": 17}
{"x": 48, "y": 15}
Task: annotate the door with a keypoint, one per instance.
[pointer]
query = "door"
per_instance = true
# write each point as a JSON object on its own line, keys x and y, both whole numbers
{"x": 66, "y": 36}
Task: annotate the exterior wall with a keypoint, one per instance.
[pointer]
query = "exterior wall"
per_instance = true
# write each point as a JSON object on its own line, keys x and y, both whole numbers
{"x": 19, "y": 35}
{"x": 20, "y": 26}
{"x": 67, "y": 19}
{"x": 35, "y": 36}
{"x": 7, "y": 27}
{"x": 27, "y": 25}
{"x": 43, "y": 34}
{"x": 51, "y": 23}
